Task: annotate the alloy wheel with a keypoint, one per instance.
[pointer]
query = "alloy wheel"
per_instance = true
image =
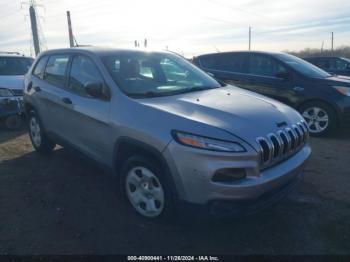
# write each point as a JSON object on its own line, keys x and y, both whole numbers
{"x": 35, "y": 132}
{"x": 317, "y": 119}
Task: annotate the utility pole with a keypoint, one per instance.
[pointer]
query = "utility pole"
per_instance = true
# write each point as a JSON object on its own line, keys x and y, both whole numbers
{"x": 34, "y": 26}
{"x": 322, "y": 47}
{"x": 70, "y": 31}
{"x": 145, "y": 43}
{"x": 250, "y": 37}
{"x": 332, "y": 42}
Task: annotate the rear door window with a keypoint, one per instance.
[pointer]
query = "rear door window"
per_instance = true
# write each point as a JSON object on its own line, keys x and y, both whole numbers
{"x": 323, "y": 63}
{"x": 261, "y": 65}
{"x": 56, "y": 68}
{"x": 224, "y": 62}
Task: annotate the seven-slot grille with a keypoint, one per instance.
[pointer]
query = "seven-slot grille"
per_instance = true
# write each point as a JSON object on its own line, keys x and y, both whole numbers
{"x": 277, "y": 145}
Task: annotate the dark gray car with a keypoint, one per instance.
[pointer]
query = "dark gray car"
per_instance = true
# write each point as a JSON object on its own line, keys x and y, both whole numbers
{"x": 173, "y": 134}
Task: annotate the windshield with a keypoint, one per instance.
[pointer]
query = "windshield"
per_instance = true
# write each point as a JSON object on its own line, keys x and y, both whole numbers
{"x": 14, "y": 65}
{"x": 156, "y": 74}
{"x": 303, "y": 67}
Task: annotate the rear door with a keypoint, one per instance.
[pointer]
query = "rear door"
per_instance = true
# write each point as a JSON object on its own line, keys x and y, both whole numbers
{"x": 55, "y": 110}
{"x": 226, "y": 67}
{"x": 268, "y": 76}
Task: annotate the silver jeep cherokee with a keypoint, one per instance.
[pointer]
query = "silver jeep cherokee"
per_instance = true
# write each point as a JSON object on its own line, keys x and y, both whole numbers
{"x": 175, "y": 136}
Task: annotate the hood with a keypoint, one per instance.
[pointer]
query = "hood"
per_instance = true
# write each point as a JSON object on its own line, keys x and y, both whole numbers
{"x": 338, "y": 80}
{"x": 12, "y": 82}
{"x": 240, "y": 112}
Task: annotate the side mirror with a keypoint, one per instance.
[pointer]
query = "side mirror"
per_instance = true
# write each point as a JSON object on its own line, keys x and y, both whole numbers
{"x": 283, "y": 75}
{"x": 94, "y": 89}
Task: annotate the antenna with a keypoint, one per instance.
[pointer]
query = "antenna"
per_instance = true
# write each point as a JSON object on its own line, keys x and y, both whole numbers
{"x": 250, "y": 37}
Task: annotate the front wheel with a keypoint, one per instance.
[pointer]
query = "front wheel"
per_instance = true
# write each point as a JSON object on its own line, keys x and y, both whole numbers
{"x": 40, "y": 141}
{"x": 320, "y": 118}
{"x": 146, "y": 188}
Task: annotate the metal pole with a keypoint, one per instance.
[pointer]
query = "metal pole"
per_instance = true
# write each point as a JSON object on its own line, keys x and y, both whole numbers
{"x": 250, "y": 37}
{"x": 70, "y": 31}
{"x": 34, "y": 26}
{"x": 332, "y": 42}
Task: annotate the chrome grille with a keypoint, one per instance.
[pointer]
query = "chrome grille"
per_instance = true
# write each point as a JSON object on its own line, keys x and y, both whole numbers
{"x": 276, "y": 146}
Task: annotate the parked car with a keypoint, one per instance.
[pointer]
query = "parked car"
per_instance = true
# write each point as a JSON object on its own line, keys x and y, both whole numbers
{"x": 334, "y": 65}
{"x": 11, "y": 109}
{"x": 321, "y": 98}
{"x": 13, "y": 67}
{"x": 173, "y": 135}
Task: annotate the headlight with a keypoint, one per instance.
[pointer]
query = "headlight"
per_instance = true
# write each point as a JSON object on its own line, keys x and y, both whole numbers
{"x": 207, "y": 143}
{"x": 4, "y": 92}
{"x": 343, "y": 89}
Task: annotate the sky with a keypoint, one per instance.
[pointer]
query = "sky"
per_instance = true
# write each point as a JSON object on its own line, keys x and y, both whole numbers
{"x": 189, "y": 27}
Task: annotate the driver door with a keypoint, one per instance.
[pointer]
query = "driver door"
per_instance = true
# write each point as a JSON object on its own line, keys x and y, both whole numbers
{"x": 269, "y": 77}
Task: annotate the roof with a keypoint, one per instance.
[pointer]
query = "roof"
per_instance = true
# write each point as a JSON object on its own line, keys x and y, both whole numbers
{"x": 245, "y": 52}
{"x": 318, "y": 57}
{"x": 100, "y": 51}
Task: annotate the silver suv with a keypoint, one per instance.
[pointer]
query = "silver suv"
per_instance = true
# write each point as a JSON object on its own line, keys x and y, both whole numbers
{"x": 174, "y": 136}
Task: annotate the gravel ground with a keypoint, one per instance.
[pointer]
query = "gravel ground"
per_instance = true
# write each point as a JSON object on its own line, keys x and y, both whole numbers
{"x": 62, "y": 204}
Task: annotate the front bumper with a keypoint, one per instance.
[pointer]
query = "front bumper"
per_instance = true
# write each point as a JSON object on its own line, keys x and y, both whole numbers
{"x": 11, "y": 106}
{"x": 193, "y": 170}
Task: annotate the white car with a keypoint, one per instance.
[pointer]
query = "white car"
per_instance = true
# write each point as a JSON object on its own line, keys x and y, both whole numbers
{"x": 13, "y": 67}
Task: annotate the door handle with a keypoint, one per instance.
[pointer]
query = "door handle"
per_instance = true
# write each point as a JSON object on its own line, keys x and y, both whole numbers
{"x": 37, "y": 89}
{"x": 298, "y": 89}
{"x": 67, "y": 101}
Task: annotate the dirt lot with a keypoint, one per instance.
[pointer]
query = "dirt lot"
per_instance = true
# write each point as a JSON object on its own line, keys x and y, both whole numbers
{"x": 62, "y": 204}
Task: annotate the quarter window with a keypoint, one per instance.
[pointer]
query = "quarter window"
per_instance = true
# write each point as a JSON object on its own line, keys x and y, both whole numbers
{"x": 82, "y": 72}
{"x": 56, "y": 70}
{"x": 40, "y": 67}
{"x": 264, "y": 66}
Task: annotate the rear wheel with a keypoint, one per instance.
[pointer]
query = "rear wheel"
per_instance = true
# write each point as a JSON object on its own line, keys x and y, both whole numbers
{"x": 146, "y": 188}
{"x": 40, "y": 141}
{"x": 320, "y": 117}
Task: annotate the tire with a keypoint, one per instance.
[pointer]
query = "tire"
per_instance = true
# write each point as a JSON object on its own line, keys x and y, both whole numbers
{"x": 40, "y": 141}
{"x": 13, "y": 122}
{"x": 320, "y": 117}
{"x": 146, "y": 189}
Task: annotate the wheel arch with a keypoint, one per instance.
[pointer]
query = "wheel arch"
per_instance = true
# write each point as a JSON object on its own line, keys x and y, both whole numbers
{"x": 126, "y": 147}
{"x": 318, "y": 100}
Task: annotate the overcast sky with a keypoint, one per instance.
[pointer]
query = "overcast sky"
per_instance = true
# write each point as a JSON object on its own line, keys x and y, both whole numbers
{"x": 185, "y": 26}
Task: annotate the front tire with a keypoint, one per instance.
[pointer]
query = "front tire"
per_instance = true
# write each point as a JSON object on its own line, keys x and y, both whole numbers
{"x": 320, "y": 117}
{"x": 40, "y": 141}
{"x": 146, "y": 189}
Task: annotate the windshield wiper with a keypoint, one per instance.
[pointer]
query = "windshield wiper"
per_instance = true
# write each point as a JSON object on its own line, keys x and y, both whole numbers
{"x": 197, "y": 88}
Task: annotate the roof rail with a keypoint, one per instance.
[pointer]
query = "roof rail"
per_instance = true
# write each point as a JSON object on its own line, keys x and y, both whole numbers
{"x": 11, "y": 53}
